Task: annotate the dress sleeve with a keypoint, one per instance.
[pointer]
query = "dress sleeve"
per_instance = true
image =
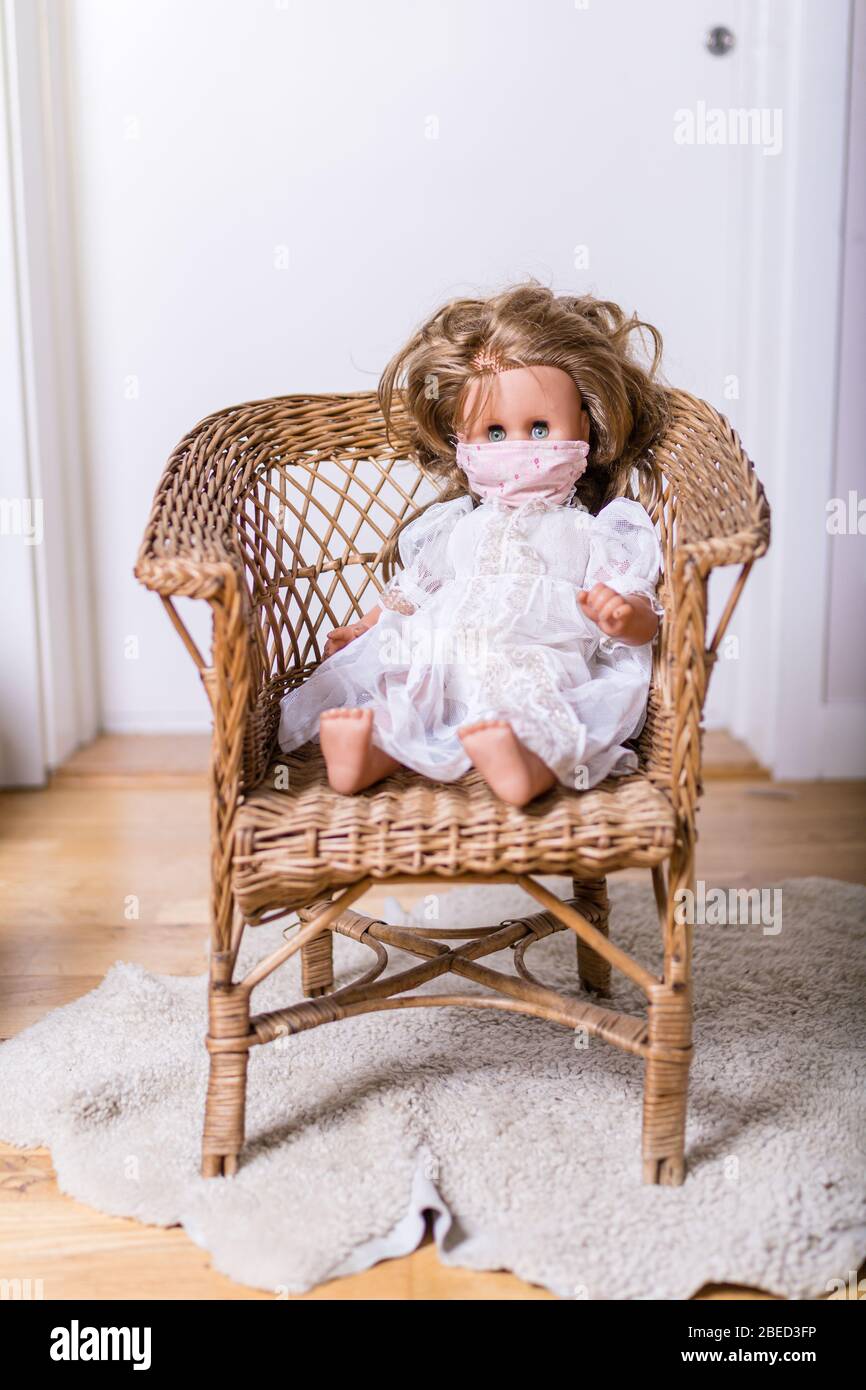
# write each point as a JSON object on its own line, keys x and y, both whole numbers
{"x": 426, "y": 563}
{"x": 624, "y": 551}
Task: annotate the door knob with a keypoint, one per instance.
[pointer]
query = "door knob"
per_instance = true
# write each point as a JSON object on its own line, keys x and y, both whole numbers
{"x": 719, "y": 41}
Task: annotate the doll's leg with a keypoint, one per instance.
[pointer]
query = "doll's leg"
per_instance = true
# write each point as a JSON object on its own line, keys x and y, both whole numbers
{"x": 351, "y": 757}
{"x": 508, "y": 767}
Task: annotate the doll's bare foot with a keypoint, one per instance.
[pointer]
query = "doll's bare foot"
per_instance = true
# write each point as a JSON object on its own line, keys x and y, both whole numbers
{"x": 351, "y": 757}
{"x": 509, "y": 768}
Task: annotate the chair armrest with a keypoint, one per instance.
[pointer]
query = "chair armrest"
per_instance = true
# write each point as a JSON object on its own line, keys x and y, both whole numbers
{"x": 722, "y": 514}
{"x": 190, "y": 546}
{"x": 191, "y": 549}
{"x": 713, "y": 512}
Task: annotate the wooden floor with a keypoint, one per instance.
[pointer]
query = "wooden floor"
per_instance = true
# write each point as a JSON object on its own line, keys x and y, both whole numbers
{"x": 123, "y": 829}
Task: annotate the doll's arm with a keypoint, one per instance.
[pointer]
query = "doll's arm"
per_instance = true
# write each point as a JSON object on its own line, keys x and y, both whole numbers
{"x": 425, "y": 558}
{"x": 423, "y": 550}
{"x": 391, "y": 598}
{"x": 619, "y": 586}
{"x": 340, "y": 637}
{"x": 629, "y": 617}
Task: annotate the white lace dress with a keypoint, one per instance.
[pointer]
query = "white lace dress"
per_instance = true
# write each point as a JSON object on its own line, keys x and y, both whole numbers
{"x": 483, "y": 622}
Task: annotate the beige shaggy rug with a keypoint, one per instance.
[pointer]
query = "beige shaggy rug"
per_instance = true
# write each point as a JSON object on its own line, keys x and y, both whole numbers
{"x": 523, "y": 1144}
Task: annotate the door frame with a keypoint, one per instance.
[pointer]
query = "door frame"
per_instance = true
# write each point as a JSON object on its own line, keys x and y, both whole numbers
{"x": 790, "y": 315}
{"x": 51, "y": 682}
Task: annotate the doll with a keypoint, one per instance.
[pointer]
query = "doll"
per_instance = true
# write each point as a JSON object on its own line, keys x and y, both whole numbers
{"x": 516, "y": 637}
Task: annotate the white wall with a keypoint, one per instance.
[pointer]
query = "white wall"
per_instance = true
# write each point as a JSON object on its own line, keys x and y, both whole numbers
{"x": 390, "y": 155}
{"x": 212, "y": 133}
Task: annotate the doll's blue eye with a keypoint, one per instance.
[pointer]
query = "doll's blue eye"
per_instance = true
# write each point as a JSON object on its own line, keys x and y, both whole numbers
{"x": 495, "y": 433}
{"x": 540, "y": 430}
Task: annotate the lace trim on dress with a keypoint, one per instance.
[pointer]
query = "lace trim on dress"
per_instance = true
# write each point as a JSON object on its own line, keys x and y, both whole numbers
{"x": 518, "y": 684}
{"x": 395, "y": 601}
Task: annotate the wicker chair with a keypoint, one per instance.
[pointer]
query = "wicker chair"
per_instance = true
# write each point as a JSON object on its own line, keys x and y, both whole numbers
{"x": 276, "y": 512}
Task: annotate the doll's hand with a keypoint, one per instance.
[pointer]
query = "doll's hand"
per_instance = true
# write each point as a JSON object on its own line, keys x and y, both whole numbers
{"x": 629, "y": 617}
{"x": 340, "y": 637}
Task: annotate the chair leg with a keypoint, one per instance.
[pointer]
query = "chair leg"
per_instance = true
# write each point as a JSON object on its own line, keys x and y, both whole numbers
{"x": 317, "y": 957}
{"x": 228, "y": 1044}
{"x": 590, "y": 895}
{"x": 666, "y": 1085}
{"x": 670, "y": 1026}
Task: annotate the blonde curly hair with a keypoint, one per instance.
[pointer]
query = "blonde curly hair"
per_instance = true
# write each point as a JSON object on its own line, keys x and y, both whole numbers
{"x": 527, "y": 325}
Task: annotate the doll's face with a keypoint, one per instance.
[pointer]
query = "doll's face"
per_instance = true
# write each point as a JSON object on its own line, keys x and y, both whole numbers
{"x": 524, "y": 403}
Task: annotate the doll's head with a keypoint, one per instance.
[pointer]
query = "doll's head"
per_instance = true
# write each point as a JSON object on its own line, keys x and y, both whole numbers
{"x": 527, "y": 364}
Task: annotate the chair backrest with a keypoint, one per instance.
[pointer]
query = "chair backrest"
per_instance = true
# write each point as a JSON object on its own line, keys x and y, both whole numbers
{"x": 315, "y": 519}
{"x": 314, "y": 522}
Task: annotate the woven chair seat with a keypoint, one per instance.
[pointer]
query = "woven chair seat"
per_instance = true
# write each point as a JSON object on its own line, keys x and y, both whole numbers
{"x": 295, "y": 838}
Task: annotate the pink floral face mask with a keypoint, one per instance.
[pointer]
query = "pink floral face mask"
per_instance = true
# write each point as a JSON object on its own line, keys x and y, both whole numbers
{"x": 524, "y": 470}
